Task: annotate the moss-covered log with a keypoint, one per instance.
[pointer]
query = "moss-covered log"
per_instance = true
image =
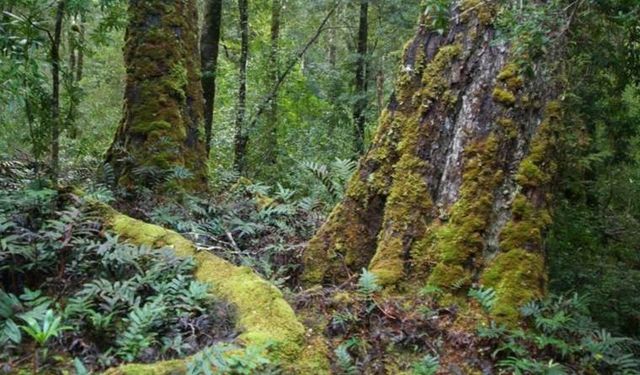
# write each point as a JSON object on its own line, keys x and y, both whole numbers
{"x": 454, "y": 190}
{"x": 163, "y": 102}
{"x": 264, "y": 318}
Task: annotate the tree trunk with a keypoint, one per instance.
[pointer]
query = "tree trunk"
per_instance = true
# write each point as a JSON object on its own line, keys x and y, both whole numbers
{"x": 454, "y": 190}
{"x": 209, "y": 50}
{"x": 55, "y": 94}
{"x": 163, "y": 102}
{"x": 241, "y": 137}
{"x": 80, "y": 49}
{"x": 75, "y": 45}
{"x": 271, "y": 133}
{"x": 360, "y": 106}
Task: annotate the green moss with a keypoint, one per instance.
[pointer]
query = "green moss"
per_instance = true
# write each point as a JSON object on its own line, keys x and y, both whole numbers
{"x": 178, "y": 79}
{"x": 449, "y": 276}
{"x": 538, "y": 168}
{"x": 176, "y": 367}
{"x": 408, "y": 202}
{"x": 263, "y": 316}
{"x": 314, "y": 358}
{"x": 434, "y": 83}
{"x": 163, "y": 107}
{"x": 342, "y": 240}
{"x": 509, "y": 127}
{"x": 460, "y": 242}
{"x": 148, "y": 127}
{"x": 517, "y": 272}
{"x": 531, "y": 175}
{"x": 518, "y": 277}
{"x": 510, "y": 75}
{"x": 503, "y": 96}
{"x": 484, "y": 10}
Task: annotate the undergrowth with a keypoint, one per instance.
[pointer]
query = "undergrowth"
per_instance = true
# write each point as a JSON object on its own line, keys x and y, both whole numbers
{"x": 71, "y": 289}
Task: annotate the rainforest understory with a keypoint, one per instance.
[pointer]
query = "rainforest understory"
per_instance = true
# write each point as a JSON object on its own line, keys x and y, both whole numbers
{"x": 283, "y": 187}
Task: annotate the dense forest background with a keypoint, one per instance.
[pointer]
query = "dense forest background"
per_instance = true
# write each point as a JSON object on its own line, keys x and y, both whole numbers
{"x": 300, "y": 88}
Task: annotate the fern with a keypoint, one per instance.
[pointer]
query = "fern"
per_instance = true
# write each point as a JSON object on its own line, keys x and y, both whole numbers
{"x": 332, "y": 179}
{"x": 140, "y": 333}
{"x": 230, "y": 359}
{"x": 429, "y": 365}
{"x": 485, "y": 297}
{"x": 522, "y": 366}
{"x": 344, "y": 360}
{"x": 368, "y": 283}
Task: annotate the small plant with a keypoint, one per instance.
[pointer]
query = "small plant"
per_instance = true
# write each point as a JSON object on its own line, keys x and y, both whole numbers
{"x": 561, "y": 336}
{"x": 231, "y": 359}
{"x": 438, "y": 14}
{"x": 522, "y": 366}
{"x": 429, "y": 365}
{"x": 368, "y": 283}
{"x": 41, "y": 332}
{"x": 344, "y": 360}
{"x": 485, "y": 297}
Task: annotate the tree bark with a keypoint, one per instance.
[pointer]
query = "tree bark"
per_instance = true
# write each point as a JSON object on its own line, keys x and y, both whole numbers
{"x": 80, "y": 49}
{"x": 454, "y": 190}
{"x": 55, "y": 94}
{"x": 163, "y": 102}
{"x": 271, "y": 133}
{"x": 209, "y": 51}
{"x": 360, "y": 106}
{"x": 241, "y": 136}
{"x": 75, "y": 42}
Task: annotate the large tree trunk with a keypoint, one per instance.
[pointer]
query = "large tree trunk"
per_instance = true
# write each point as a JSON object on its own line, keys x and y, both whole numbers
{"x": 454, "y": 190}
{"x": 209, "y": 50}
{"x": 163, "y": 102}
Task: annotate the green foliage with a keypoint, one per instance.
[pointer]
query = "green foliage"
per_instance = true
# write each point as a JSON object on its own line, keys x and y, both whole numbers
{"x": 520, "y": 366}
{"x": 126, "y": 303}
{"x": 429, "y": 365}
{"x": 562, "y": 340}
{"x": 333, "y": 178}
{"x": 48, "y": 327}
{"x": 231, "y": 359}
{"x": 252, "y": 224}
{"x": 368, "y": 283}
{"x": 530, "y": 26}
{"x": 344, "y": 360}
{"x": 438, "y": 13}
{"x": 485, "y": 297}
{"x": 31, "y": 306}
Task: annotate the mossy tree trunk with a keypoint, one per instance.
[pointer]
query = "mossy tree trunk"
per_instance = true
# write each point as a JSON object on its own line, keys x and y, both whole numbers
{"x": 157, "y": 145}
{"x": 454, "y": 190}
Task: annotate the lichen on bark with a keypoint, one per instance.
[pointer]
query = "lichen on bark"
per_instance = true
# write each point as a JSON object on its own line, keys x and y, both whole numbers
{"x": 163, "y": 105}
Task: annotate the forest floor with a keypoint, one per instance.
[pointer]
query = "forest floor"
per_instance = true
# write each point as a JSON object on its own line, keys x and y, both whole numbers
{"x": 105, "y": 302}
